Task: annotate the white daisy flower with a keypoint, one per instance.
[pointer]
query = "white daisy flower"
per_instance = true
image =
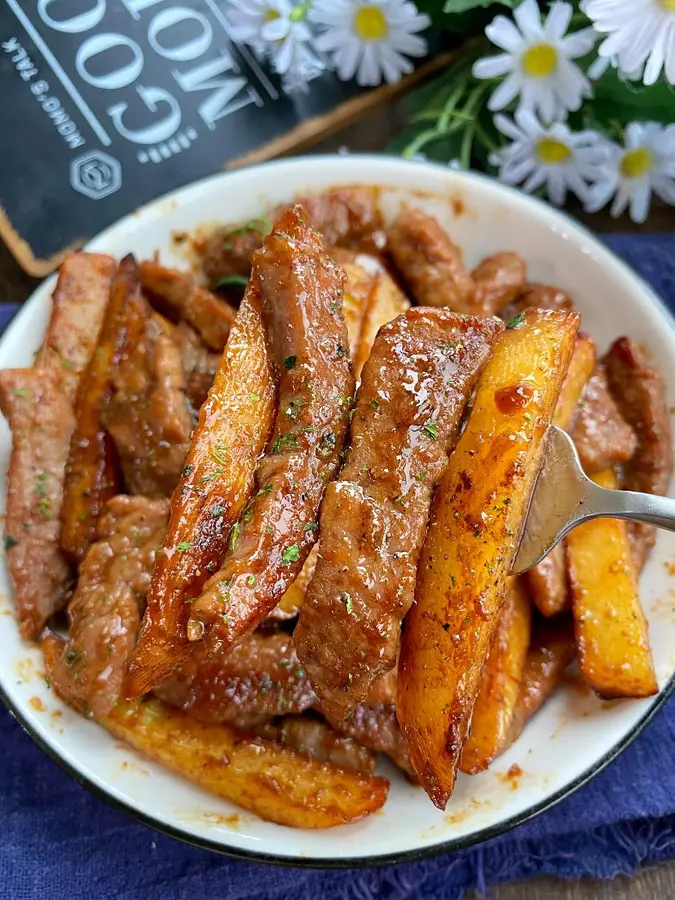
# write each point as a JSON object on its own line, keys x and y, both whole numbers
{"x": 537, "y": 61}
{"x": 638, "y": 32}
{"x": 548, "y": 155}
{"x": 631, "y": 173}
{"x": 601, "y": 63}
{"x": 370, "y": 38}
{"x": 275, "y": 27}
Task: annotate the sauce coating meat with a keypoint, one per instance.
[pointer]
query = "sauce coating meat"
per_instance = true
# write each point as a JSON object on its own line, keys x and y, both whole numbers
{"x": 344, "y": 216}
{"x": 148, "y": 417}
{"x": 41, "y": 418}
{"x": 257, "y": 679}
{"x": 87, "y": 669}
{"x": 319, "y": 741}
{"x": 301, "y": 302}
{"x": 601, "y": 435}
{"x": 499, "y": 280}
{"x": 199, "y": 363}
{"x": 414, "y": 388}
{"x": 430, "y": 263}
{"x": 640, "y": 394}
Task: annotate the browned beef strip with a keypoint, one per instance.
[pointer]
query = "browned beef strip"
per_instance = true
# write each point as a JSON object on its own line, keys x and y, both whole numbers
{"x": 301, "y": 291}
{"x": 79, "y": 303}
{"x": 499, "y": 279}
{"x": 318, "y": 740}
{"x": 430, "y": 263}
{"x": 640, "y": 394}
{"x": 148, "y": 416}
{"x": 414, "y": 388}
{"x": 88, "y": 668}
{"x": 41, "y": 419}
{"x": 257, "y": 679}
{"x": 345, "y": 216}
{"x": 199, "y": 363}
{"x": 537, "y": 296}
{"x": 602, "y": 436}
{"x": 373, "y": 723}
{"x": 178, "y": 295}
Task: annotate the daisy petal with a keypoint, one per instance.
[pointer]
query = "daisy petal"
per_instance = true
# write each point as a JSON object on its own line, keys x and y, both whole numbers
{"x": 639, "y": 206}
{"x": 558, "y": 20}
{"x": 528, "y": 19}
{"x": 580, "y": 43}
{"x": 493, "y": 66}
{"x": 505, "y": 93}
{"x": 504, "y": 34}
{"x": 600, "y": 194}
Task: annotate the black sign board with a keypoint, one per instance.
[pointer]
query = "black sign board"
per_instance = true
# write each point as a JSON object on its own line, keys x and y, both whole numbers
{"x": 107, "y": 104}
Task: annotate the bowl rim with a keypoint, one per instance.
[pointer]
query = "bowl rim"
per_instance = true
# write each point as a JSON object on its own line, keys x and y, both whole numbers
{"x": 606, "y": 256}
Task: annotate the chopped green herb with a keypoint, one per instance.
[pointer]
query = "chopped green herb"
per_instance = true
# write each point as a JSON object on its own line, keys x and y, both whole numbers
{"x": 290, "y": 554}
{"x": 423, "y": 476}
{"x": 187, "y": 470}
{"x": 183, "y": 546}
{"x": 467, "y": 620}
{"x": 516, "y": 321}
{"x": 10, "y": 542}
{"x": 506, "y": 501}
{"x": 217, "y": 511}
{"x": 262, "y": 226}
{"x": 300, "y": 672}
{"x": 312, "y": 526}
{"x": 334, "y": 307}
{"x": 41, "y": 486}
{"x": 346, "y": 598}
{"x": 248, "y": 514}
{"x": 232, "y": 281}
{"x": 72, "y": 657}
{"x": 265, "y": 490}
{"x": 250, "y": 581}
{"x": 290, "y": 362}
{"x": 19, "y": 392}
{"x": 453, "y": 580}
{"x": 234, "y": 535}
{"x": 45, "y": 508}
{"x": 527, "y": 417}
{"x": 285, "y": 441}
{"x": 431, "y": 430}
{"x": 285, "y": 663}
{"x": 83, "y": 517}
{"x": 375, "y": 404}
{"x": 326, "y": 444}
{"x": 255, "y": 397}
{"x": 341, "y": 351}
{"x": 215, "y": 474}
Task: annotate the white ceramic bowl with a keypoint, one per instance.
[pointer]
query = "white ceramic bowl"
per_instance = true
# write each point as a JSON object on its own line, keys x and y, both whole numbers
{"x": 574, "y": 735}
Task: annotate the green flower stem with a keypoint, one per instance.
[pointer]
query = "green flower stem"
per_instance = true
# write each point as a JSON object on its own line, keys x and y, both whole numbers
{"x": 467, "y": 146}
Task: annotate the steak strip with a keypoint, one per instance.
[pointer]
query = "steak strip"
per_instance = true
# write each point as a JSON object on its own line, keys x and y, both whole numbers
{"x": 301, "y": 291}
{"x": 414, "y": 388}
{"x": 87, "y": 669}
{"x": 640, "y": 394}
{"x": 319, "y": 741}
{"x": 259, "y": 678}
{"x": 601, "y": 435}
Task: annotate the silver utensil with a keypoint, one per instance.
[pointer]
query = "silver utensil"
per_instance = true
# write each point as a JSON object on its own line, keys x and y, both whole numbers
{"x": 564, "y": 497}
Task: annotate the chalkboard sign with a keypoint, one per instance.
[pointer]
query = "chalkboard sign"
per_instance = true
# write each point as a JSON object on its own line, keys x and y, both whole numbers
{"x": 107, "y": 104}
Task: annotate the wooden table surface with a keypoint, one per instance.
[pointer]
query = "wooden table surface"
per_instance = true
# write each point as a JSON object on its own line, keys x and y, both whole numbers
{"x": 370, "y": 135}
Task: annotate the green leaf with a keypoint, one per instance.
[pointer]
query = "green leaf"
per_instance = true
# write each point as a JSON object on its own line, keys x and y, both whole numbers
{"x": 460, "y": 6}
{"x": 618, "y": 101}
{"x": 231, "y": 280}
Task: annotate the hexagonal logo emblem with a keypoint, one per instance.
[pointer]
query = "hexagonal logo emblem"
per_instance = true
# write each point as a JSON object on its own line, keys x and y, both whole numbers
{"x": 96, "y": 175}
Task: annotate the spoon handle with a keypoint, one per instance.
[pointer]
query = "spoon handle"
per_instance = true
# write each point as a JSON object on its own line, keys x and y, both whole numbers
{"x": 647, "y": 508}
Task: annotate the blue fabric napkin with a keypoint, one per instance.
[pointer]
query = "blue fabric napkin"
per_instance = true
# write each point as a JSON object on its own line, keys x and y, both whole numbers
{"x": 58, "y": 840}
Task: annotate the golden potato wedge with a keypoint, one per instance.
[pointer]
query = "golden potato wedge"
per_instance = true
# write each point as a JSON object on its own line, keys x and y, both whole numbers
{"x": 234, "y": 424}
{"x": 582, "y": 366}
{"x": 472, "y": 539}
{"x": 551, "y": 651}
{"x": 386, "y": 301}
{"x": 547, "y": 582}
{"x": 611, "y": 631}
{"x": 357, "y": 290}
{"x": 275, "y": 782}
{"x": 500, "y": 682}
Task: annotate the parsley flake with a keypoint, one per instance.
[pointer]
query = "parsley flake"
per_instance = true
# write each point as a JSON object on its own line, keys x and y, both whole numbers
{"x": 431, "y": 430}
{"x": 290, "y": 362}
{"x": 516, "y": 321}
{"x": 290, "y": 554}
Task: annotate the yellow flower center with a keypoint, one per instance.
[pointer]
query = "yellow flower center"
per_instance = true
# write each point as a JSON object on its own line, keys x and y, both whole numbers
{"x": 271, "y": 15}
{"x": 370, "y": 23}
{"x": 552, "y": 152}
{"x": 668, "y": 5}
{"x": 541, "y": 59}
{"x": 636, "y": 163}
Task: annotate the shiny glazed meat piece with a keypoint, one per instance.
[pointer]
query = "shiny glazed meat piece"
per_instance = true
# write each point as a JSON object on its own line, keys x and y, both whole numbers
{"x": 80, "y": 300}
{"x": 413, "y": 391}
{"x": 602, "y": 437}
{"x": 537, "y": 296}
{"x": 257, "y": 679}
{"x": 87, "y": 669}
{"x": 199, "y": 363}
{"x": 318, "y": 741}
{"x": 430, "y": 263}
{"x": 41, "y": 419}
{"x": 640, "y": 394}
{"x": 301, "y": 303}
{"x": 148, "y": 416}
{"x": 499, "y": 279}
{"x": 344, "y": 216}
{"x": 177, "y": 294}
{"x": 373, "y": 723}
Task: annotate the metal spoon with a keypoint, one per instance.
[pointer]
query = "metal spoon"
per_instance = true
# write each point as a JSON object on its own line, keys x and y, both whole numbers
{"x": 564, "y": 497}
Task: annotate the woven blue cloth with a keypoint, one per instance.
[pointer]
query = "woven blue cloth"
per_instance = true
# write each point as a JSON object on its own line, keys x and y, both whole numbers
{"x": 59, "y": 841}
